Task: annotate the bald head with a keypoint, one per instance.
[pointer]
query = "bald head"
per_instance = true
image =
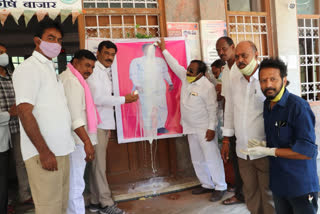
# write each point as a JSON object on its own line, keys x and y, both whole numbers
{"x": 245, "y": 52}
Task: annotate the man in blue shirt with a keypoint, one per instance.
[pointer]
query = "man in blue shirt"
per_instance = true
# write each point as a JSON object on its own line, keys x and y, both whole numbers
{"x": 289, "y": 126}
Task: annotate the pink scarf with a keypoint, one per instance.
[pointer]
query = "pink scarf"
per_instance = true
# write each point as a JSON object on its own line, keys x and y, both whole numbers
{"x": 92, "y": 113}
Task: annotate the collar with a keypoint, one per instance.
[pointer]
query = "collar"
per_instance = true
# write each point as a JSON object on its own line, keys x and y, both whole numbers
{"x": 40, "y": 57}
{"x": 101, "y": 67}
{"x": 283, "y": 101}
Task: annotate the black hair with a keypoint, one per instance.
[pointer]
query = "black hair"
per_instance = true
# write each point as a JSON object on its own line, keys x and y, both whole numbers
{"x": 108, "y": 44}
{"x": 46, "y": 24}
{"x": 202, "y": 67}
{"x": 218, "y": 63}
{"x": 227, "y": 39}
{"x": 274, "y": 63}
{"x": 3, "y": 45}
{"x": 83, "y": 53}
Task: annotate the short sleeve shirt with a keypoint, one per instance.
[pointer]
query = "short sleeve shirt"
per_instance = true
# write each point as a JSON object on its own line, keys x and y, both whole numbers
{"x": 36, "y": 82}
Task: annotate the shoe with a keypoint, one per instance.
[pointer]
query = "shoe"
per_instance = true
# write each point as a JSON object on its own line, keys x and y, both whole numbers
{"x": 94, "y": 207}
{"x": 217, "y": 195}
{"x": 162, "y": 130}
{"x": 201, "y": 190}
{"x": 111, "y": 210}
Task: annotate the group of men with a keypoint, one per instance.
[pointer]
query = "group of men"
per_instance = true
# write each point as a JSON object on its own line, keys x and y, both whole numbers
{"x": 268, "y": 133}
{"x": 66, "y": 120}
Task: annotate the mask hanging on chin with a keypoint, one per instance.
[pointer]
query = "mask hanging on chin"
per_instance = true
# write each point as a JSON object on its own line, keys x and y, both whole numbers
{"x": 50, "y": 49}
{"x": 4, "y": 60}
{"x": 192, "y": 79}
{"x": 248, "y": 70}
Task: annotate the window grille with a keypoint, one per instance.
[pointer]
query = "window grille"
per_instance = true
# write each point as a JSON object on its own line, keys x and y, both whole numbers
{"x": 122, "y": 26}
{"x": 253, "y": 28}
{"x": 308, "y": 30}
{"x": 120, "y": 4}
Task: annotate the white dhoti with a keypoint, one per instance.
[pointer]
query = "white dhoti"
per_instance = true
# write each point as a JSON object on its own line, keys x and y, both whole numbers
{"x": 207, "y": 161}
{"x": 77, "y": 166}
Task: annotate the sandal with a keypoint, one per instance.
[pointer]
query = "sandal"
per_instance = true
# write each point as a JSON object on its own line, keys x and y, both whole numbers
{"x": 231, "y": 201}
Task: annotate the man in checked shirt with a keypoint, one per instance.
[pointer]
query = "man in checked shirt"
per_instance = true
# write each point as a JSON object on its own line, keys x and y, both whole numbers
{"x": 7, "y": 102}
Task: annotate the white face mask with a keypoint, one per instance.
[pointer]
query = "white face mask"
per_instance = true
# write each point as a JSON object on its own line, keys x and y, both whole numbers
{"x": 249, "y": 69}
{"x": 4, "y": 60}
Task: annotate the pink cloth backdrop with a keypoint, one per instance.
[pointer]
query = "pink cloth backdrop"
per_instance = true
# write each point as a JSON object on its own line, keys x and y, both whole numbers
{"x": 131, "y": 124}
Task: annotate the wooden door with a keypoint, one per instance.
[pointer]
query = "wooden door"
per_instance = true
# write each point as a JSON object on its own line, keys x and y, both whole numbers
{"x": 130, "y": 162}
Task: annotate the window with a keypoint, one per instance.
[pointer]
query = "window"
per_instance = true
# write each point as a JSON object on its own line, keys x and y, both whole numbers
{"x": 250, "y": 20}
{"x": 309, "y": 48}
{"x": 123, "y": 19}
{"x": 120, "y": 3}
{"x": 122, "y": 26}
{"x": 17, "y": 60}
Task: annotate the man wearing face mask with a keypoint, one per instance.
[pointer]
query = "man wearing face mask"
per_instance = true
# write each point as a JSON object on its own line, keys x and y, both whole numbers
{"x": 85, "y": 119}
{"x": 7, "y": 102}
{"x": 100, "y": 83}
{"x": 290, "y": 130}
{"x": 199, "y": 121}
{"x": 46, "y": 137}
{"x": 244, "y": 119}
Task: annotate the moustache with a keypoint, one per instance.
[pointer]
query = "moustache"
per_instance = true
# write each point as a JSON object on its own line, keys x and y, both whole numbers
{"x": 241, "y": 63}
{"x": 268, "y": 89}
{"x": 87, "y": 73}
{"x": 108, "y": 60}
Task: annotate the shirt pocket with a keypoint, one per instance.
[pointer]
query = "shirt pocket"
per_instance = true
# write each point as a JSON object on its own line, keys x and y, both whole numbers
{"x": 285, "y": 135}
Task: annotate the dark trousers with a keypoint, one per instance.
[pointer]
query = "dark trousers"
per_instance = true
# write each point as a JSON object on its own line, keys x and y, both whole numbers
{"x": 4, "y": 161}
{"x": 234, "y": 159}
{"x": 305, "y": 204}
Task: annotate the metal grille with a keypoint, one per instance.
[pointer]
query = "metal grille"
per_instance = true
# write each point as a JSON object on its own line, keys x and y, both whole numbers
{"x": 122, "y": 26}
{"x": 120, "y": 3}
{"x": 308, "y": 30}
{"x": 250, "y": 27}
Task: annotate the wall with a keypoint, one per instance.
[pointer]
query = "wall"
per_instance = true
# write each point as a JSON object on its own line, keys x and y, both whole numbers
{"x": 182, "y": 11}
{"x": 286, "y": 39}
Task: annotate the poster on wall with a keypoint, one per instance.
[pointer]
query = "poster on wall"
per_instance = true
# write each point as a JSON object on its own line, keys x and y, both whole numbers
{"x": 211, "y": 31}
{"x": 190, "y": 31}
{"x": 139, "y": 67}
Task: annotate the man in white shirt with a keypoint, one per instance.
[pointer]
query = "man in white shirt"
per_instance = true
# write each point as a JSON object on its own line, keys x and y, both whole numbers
{"x": 148, "y": 75}
{"x": 46, "y": 137}
{"x": 80, "y": 68}
{"x": 244, "y": 119}
{"x": 100, "y": 83}
{"x": 226, "y": 51}
{"x": 199, "y": 121}
{"x": 4, "y": 155}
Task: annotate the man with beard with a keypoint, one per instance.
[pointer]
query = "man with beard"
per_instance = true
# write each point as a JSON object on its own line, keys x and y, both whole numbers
{"x": 289, "y": 125}
{"x": 226, "y": 50}
{"x": 100, "y": 84}
{"x": 244, "y": 119}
